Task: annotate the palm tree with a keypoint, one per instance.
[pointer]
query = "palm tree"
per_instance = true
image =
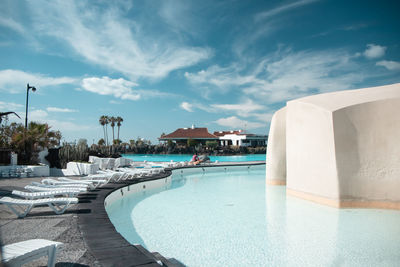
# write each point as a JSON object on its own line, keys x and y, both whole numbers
{"x": 113, "y": 120}
{"x": 119, "y": 120}
{"x": 102, "y": 121}
{"x": 33, "y": 139}
{"x": 107, "y": 121}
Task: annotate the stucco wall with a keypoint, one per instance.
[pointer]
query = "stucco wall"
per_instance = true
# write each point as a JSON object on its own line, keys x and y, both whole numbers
{"x": 310, "y": 151}
{"x": 276, "y": 149}
{"x": 367, "y": 143}
{"x": 342, "y": 148}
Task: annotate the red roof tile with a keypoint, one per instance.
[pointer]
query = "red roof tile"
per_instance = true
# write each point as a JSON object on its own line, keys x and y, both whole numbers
{"x": 194, "y": 133}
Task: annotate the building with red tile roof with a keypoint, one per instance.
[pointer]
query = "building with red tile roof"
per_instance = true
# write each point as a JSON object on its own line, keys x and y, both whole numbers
{"x": 181, "y": 135}
{"x": 225, "y": 138}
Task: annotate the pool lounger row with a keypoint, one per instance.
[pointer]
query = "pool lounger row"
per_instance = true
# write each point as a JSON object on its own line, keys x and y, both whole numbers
{"x": 60, "y": 194}
{"x": 21, "y": 207}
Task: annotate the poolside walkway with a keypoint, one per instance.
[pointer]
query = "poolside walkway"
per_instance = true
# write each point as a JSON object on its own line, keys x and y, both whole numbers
{"x": 43, "y": 223}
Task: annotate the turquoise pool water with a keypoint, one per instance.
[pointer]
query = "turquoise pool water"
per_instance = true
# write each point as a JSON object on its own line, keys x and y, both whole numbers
{"x": 231, "y": 218}
{"x": 187, "y": 157}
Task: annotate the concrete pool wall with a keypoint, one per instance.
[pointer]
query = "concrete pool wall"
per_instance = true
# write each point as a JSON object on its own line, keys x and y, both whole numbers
{"x": 144, "y": 186}
{"x": 342, "y": 149}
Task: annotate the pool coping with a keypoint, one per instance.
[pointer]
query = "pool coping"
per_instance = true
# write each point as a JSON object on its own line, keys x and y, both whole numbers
{"x": 102, "y": 239}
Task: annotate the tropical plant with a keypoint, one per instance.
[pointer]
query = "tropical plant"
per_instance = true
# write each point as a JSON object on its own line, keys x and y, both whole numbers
{"x": 211, "y": 144}
{"x": 101, "y": 142}
{"x": 132, "y": 143}
{"x": 191, "y": 142}
{"x": 58, "y": 136}
{"x": 107, "y": 121}
{"x": 119, "y": 120}
{"x": 5, "y": 115}
{"x": 82, "y": 142}
{"x": 26, "y": 142}
{"x": 170, "y": 143}
{"x": 117, "y": 141}
{"x": 113, "y": 120}
{"x": 102, "y": 121}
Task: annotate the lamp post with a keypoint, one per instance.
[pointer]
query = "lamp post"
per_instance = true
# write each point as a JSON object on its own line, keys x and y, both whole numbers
{"x": 26, "y": 119}
{"x": 27, "y": 94}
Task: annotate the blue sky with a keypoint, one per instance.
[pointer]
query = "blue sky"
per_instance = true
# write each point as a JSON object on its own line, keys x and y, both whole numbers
{"x": 162, "y": 65}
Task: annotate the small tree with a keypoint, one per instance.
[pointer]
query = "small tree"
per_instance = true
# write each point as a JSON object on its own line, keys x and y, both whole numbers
{"x": 101, "y": 142}
{"x": 211, "y": 144}
{"x": 170, "y": 143}
{"x": 82, "y": 142}
{"x": 191, "y": 142}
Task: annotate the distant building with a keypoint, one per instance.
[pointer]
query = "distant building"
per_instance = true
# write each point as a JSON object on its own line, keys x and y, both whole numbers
{"x": 224, "y": 138}
{"x": 241, "y": 138}
{"x": 181, "y": 135}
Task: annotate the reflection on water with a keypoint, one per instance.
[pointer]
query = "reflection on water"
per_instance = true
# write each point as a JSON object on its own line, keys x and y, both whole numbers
{"x": 309, "y": 234}
{"x": 233, "y": 218}
{"x": 120, "y": 212}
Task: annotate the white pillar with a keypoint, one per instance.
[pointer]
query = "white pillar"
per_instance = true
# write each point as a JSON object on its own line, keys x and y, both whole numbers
{"x": 14, "y": 158}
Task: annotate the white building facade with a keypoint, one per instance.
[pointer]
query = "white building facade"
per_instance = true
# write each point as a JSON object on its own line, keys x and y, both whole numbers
{"x": 240, "y": 138}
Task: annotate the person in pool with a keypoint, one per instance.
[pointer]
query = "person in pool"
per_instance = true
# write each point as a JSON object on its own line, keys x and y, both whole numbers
{"x": 195, "y": 160}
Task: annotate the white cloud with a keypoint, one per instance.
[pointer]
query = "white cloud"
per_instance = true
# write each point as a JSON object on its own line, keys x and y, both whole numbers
{"x": 37, "y": 115}
{"x": 390, "y": 65}
{"x": 244, "y": 109}
{"x": 107, "y": 38}
{"x": 234, "y": 122}
{"x": 115, "y": 102}
{"x": 14, "y": 81}
{"x": 119, "y": 88}
{"x": 67, "y": 126}
{"x": 187, "y": 106}
{"x": 265, "y": 117}
{"x": 9, "y": 106}
{"x": 149, "y": 93}
{"x": 12, "y": 24}
{"x": 223, "y": 78}
{"x": 42, "y": 116}
{"x": 55, "y": 109}
{"x": 190, "y": 107}
{"x": 283, "y": 8}
{"x": 374, "y": 51}
{"x": 284, "y": 75}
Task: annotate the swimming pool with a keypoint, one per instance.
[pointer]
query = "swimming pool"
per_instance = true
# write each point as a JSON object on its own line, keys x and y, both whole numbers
{"x": 230, "y": 218}
{"x": 187, "y": 157}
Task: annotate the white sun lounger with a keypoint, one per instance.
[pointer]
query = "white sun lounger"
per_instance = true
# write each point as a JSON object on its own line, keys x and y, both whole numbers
{"x": 23, "y": 252}
{"x": 49, "y": 181}
{"x": 44, "y": 194}
{"x": 95, "y": 182}
{"x": 130, "y": 173}
{"x": 77, "y": 186}
{"x": 21, "y": 207}
{"x": 44, "y": 188}
{"x": 109, "y": 175}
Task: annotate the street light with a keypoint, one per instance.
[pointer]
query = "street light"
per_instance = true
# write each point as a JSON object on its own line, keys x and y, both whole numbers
{"x": 27, "y": 93}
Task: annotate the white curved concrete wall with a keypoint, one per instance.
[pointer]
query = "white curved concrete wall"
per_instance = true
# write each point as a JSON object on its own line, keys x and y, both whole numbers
{"x": 367, "y": 139}
{"x": 311, "y": 166}
{"x": 276, "y": 149}
{"x": 343, "y": 148}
